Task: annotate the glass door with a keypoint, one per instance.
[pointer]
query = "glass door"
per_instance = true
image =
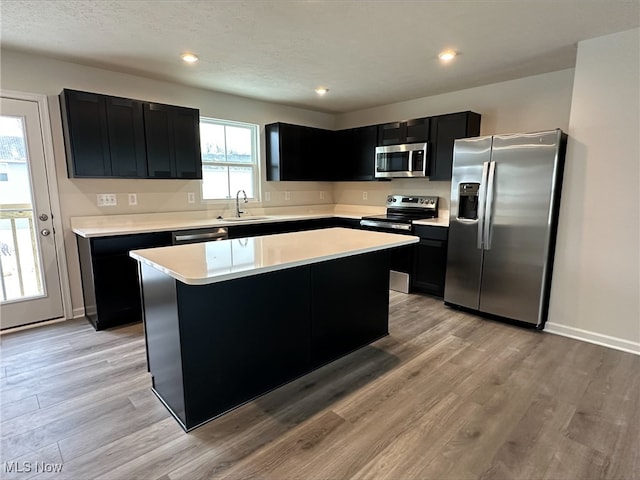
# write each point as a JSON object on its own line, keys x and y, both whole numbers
{"x": 29, "y": 277}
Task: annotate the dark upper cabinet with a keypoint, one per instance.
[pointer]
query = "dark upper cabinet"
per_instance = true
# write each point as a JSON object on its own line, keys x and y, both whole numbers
{"x": 444, "y": 130}
{"x": 84, "y": 120}
{"x": 411, "y": 131}
{"x": 296, "y": 152}
{"x": 126, "y": 137}
{"x": 173, "y": 144}
{"x": 354, "y": 155}
{"x": 117, "y": 137}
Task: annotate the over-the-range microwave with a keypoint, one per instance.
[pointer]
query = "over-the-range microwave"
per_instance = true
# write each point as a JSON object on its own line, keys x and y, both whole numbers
{"x": 402, "y": 161}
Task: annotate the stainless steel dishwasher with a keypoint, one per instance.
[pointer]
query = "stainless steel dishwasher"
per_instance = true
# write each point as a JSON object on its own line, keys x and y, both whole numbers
{"x": 212, "y": 234}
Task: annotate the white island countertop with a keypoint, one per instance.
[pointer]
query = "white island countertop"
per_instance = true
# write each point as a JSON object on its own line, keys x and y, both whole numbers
{"x": 210, "y": 262}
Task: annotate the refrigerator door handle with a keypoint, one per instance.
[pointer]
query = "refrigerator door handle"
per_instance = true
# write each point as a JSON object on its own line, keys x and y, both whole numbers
{"x": 488, "y": 216}
{"x": 482, "y": 198}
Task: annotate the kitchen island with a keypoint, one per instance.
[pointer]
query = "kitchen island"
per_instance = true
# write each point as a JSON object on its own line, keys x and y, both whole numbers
{"x": 228, "y": 321}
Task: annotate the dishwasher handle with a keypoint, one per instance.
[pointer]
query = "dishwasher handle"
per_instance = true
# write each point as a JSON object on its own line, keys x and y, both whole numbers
{"x": 199, "y": 236}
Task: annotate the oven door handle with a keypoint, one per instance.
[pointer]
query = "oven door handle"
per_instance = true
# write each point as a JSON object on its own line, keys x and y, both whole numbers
{"x": 389, "y": 225}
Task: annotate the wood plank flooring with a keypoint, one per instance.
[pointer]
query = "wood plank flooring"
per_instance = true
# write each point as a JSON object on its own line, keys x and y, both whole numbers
{"x": 446, "y": 395}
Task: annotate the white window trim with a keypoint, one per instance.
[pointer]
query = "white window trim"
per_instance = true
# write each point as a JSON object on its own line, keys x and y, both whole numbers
{"x": 255, "y": 154}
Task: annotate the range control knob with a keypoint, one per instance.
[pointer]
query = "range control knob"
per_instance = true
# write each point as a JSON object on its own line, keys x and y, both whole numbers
{"x": 390, "y": 199}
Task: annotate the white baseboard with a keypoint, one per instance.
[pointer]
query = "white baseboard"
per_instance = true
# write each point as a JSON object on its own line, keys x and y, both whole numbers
{"x": 78, "y": 312}
{"x": 593, "y": 337}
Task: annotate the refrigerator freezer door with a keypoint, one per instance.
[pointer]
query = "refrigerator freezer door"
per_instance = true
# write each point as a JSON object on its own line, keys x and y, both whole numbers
{"x": 515, "y": 259}
{"x": 464, "y": 258}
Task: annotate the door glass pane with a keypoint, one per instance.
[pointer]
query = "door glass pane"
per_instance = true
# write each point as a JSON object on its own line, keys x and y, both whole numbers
{"x": 20, "y": 269}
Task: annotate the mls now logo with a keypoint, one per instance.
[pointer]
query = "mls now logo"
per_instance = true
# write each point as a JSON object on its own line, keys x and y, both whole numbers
{"x": 29, "y": 467}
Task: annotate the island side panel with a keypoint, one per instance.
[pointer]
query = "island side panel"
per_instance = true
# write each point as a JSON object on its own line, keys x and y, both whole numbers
{"x": 350, "y": 304}
{"x": 164, "y": 352}
{"x": 242, "y": 338}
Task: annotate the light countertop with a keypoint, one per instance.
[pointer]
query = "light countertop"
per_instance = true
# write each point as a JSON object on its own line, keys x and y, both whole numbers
{"x": 110, "y": 225}
{"x": 210, "y": 262}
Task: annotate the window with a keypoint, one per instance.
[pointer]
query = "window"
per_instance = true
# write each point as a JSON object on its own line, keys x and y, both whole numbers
{"x": 229, "y": 158}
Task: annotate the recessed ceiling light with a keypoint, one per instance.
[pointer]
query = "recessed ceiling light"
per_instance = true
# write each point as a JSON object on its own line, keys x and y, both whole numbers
{"x": 321, "y": 90}
{"x": 189, "y": 57}
{"x": 447, "y": 55}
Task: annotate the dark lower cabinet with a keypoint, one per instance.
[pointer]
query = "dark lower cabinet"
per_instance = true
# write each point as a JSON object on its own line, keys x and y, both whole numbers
{"x": 110, "y": 282}
{"x": 339, "y": 323}
{"x": 214, "y": 347}
{"x": 110, "y": 285}
{"x": 430, "y": 260}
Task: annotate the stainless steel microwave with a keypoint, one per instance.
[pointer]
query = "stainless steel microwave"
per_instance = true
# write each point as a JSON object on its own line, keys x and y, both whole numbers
{"x": 402, "y": 161}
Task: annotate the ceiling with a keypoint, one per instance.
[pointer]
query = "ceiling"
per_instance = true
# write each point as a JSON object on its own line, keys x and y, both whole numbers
{"x": 367, "y": 52}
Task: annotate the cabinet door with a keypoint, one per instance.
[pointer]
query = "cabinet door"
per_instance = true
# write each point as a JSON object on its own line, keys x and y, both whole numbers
{"x": 430, "y": 265}
{"x": 186, "y": 138}
{"x": 430, "y": 260}
{"x": 84, "y": 121}
{"x": 290, "y": 154}
{"x": 157, "y": 126}
{"x": 173, "y": 141}
{"x": 296, "y": 152}
{"x": 417, "y": 130}
{"x": 126, "y": 137}
{"x": 364, "y": 152}
{"x": 445, "y": 129}
{"x": 391, "y": 133}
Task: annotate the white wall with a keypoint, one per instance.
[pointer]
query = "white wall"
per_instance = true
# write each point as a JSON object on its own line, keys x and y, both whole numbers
{"x": 596, "y": 283}
{"x": 540, "y": 102}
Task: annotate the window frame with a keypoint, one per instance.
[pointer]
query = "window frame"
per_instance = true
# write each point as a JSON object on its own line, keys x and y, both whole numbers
{"x": 255, "y": 154}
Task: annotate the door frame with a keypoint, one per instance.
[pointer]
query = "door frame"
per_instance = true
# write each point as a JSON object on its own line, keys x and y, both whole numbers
{"x": 54, "y": 197}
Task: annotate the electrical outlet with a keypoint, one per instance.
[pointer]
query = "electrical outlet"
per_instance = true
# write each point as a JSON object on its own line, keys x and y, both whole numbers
{"x": 267, "y": 196}
{"x": 321, "y": 195}
{"x": 365, "y": 195}
{"x": 287, "y": 195}
{"x": 133, "y": 199}
{"x": 107, "y": 200}
{"x": 191, "y": 197}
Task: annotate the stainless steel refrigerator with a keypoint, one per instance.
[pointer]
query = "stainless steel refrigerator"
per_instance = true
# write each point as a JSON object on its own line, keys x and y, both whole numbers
{"x": 505, "y": 196}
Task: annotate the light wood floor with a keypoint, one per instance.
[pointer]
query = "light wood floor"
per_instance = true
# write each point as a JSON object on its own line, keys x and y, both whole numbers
{"x": 446, "y": 396}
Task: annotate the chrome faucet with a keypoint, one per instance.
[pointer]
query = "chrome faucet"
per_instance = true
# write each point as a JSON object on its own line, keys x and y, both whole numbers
{"x": 238, "y": 211}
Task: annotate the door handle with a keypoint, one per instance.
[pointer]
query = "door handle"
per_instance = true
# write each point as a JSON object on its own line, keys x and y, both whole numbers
{"x": 45, "y": 232}
{"x": 489, "y": 213}
{"x": 482, "y": 197}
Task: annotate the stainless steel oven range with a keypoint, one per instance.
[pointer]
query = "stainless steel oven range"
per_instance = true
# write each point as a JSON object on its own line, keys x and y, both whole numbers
{"x": 402, "y": 211}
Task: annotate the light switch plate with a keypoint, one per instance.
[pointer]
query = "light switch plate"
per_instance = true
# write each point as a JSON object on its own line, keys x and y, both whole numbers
{"x": 287, "y": 195}
{"x": 133, "y": 199}
{"x": 106, "y": 200}
{"x": 191, "y": 197}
